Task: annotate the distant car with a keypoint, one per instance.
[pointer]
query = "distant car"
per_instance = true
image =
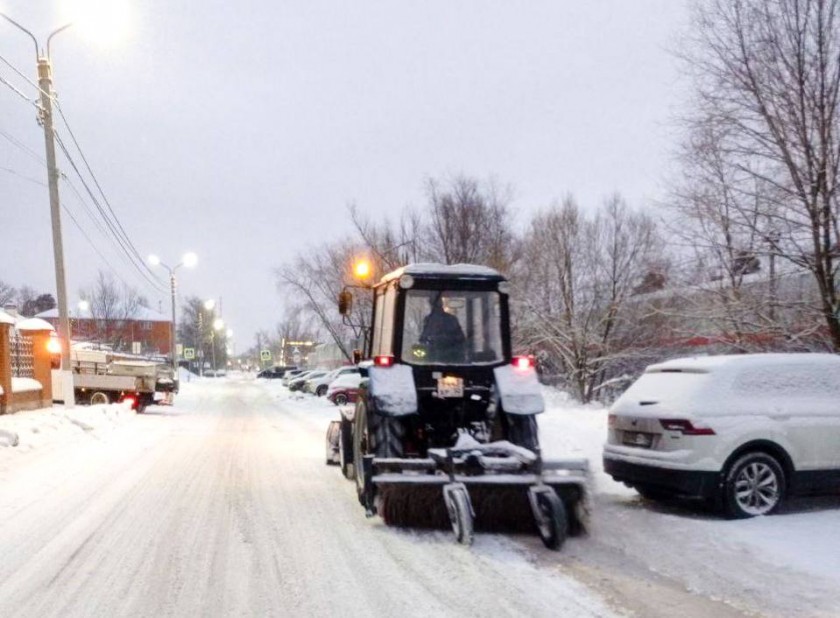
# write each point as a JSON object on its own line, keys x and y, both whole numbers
{"x": 273, "y": 373}
{"x": 319, "y": 385}
{"x": 742, "y": 431}
{"x": 297, "y": 383}
{"x": 344, "y": 389}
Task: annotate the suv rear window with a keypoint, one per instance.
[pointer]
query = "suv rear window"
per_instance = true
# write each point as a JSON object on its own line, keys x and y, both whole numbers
{"x": 670, "y": 386}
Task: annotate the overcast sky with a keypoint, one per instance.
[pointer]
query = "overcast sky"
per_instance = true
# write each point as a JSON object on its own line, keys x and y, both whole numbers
{"x": 241, "y": 130}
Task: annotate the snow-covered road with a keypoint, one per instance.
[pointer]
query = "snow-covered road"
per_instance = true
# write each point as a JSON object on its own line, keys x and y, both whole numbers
{"x": 223, "y": 506}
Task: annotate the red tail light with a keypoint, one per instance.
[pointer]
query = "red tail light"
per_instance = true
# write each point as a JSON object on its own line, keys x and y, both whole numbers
{"x": 685, "y": 427}
{"x": 383, "y": 360}
{"x": 130, "y": 400}
{"x": 523, "y": 362}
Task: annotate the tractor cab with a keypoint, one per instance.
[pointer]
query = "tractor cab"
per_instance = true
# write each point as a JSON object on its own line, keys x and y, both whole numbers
{"x": 428, "y": 315}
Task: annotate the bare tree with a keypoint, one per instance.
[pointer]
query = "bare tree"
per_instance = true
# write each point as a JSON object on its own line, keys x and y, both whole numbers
{"x": 469, "y": 222}
{"x": 577, "y": 275}
{"x": 767, "y": 75}
{"x": 111, "y": 306}
{"x": 7, "y": 293}
{"x": 316, "y": 278}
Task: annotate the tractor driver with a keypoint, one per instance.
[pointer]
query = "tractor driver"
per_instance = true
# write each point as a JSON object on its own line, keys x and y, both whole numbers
{"x": 442, "y": 335}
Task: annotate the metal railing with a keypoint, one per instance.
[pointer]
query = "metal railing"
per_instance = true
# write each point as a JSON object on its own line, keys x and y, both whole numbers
{"x": 22, "y": 357}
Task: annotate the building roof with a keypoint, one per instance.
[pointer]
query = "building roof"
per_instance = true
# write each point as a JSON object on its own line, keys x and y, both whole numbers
{"x": 141, "y": 314}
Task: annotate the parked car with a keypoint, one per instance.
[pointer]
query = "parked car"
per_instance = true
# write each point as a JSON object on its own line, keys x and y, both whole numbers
{"x": 344, "y": 389}
{"x": 744, "y": 431}
{"x": 319, "y": 385}
{"x": 291, "y": 375}
{"x": 298, "y": 383}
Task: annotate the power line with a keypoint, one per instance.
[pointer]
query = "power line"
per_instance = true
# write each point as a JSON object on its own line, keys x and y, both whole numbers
{"x": 16, "y": 91}
{"x": 16, "y": 142}
{"x": 19, "y": 175}
{"x": 115, "y": 234}
{"x": 96, "y": 221}
{"x": 101, "y": 192}
{"x": 69, "y": 213}
{"x": 93, "y": 245}
{"x": 23, "y": 75}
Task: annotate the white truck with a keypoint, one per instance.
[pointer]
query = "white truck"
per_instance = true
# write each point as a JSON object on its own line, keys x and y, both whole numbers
{"x": 100, "y": 376}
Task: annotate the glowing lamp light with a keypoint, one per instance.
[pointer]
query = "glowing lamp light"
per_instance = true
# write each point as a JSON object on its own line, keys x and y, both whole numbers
{"x": 54, "y": 345}
{"x": 362, "y": 269}
{"x": 523, "y": 362}
{"x": 383, "y": 360}
{"x": 153, "y": 260}
{"x": 101, "y": 21}
{"x": 130, "y": 400}
{"x": 218, "y": 324}
{"x": 209, "y": 304}
{"x": 189, "y": 260}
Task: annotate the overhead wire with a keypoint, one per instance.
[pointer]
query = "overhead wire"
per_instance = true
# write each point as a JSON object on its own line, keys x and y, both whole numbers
{"x": 101, "y": 192}
{"x": 117, "y": 231}
{"x": 136, "y": 261}
{"x": 14, "y": 89}
{"x": 69, "y": 213}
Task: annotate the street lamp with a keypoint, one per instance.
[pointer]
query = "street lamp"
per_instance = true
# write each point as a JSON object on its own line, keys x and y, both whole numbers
{"x": 42, "y": 57}
{"x": 218, "y": 324}
{"x": 189, "y": 260}
{"x": 45, "y": 117}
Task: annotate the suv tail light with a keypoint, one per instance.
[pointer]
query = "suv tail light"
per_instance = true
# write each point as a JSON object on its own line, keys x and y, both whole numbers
{"x": 686, "y": 427}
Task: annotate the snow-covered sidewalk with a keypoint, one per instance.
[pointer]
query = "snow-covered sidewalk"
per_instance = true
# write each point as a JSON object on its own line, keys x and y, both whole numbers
{"x": 29, "y": 430}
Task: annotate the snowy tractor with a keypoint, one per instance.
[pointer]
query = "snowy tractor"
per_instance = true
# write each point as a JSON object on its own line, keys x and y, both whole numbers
{"x": 444, "y": 429}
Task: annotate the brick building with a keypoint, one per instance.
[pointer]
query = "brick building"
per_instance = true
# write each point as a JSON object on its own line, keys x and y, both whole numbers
{"x": 146, "y": 326}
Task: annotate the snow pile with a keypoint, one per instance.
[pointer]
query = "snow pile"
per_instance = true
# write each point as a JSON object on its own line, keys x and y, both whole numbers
{"x": 571, "y": 429}
{"x": 28, "y": 430}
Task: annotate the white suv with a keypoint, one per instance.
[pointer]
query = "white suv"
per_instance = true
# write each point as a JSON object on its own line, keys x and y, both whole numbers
{"x": 744, "y": 430}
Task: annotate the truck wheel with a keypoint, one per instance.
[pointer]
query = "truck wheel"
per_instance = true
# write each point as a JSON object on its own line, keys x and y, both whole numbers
{"x": 99, "y": 398}
{"x": 521, "y": 430}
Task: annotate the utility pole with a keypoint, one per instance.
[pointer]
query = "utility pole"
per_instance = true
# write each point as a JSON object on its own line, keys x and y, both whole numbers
{"x": 174, "y": 350}
{"x": 45, "y": 84}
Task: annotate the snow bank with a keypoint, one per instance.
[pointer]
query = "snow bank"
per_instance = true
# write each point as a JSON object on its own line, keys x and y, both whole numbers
{"x": 571, "y": 429}
{"x": 24, "y": 385}
{"x": 34, "y": 429}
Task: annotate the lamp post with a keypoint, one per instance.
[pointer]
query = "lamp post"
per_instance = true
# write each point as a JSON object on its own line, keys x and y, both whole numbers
{"x": 208, "y": 305}
{"x": 189, "y": 260}
{"x": 42, "y": 57}
{"x": 218, "y": 324}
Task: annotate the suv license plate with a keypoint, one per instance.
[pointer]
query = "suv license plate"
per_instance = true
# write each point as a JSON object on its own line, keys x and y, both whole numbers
{"x": 449, "y": 386}
{"x": 637, "y": 438}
